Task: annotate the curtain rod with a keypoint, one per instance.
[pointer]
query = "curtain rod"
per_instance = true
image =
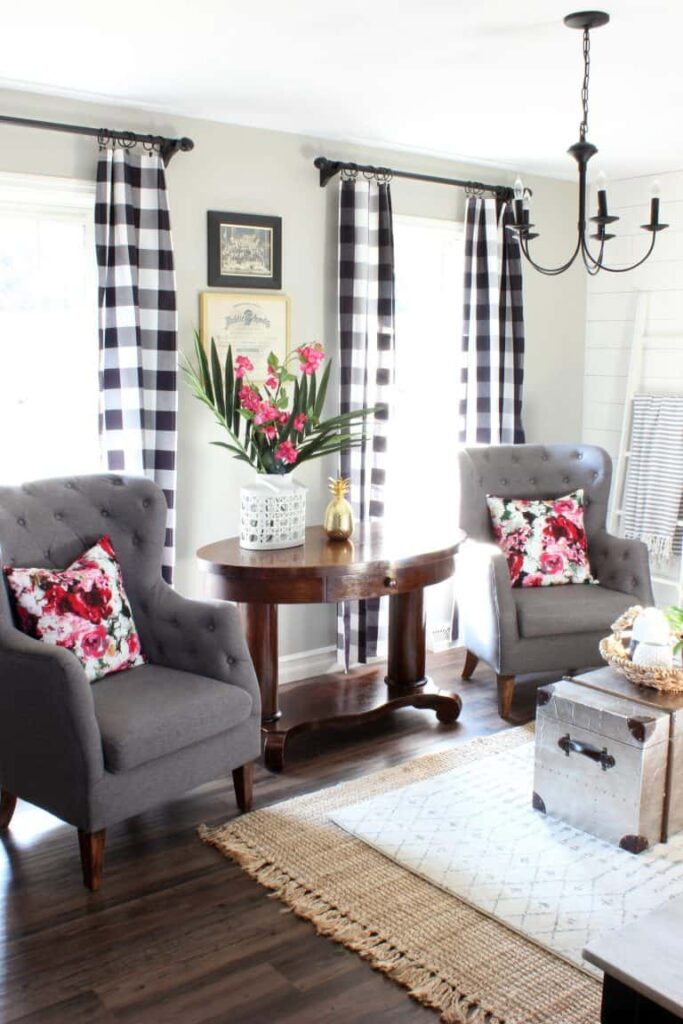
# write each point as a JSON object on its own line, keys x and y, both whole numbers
{"x": 328, "y": 169}
{"x": 166, "y": 147}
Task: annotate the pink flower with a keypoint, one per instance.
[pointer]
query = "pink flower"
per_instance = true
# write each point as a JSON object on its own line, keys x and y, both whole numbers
{"x": 249, "y": 398}
{"x": 271, "y": 382}
{"x": 564, "y": 506}
{"x": 552, "y": 562}
{"x": 94, "y": 643}
{"x": 283, "y": 417}
{"x": 287, "y": 453}
{"x": 243, "y": 365}
{"x": 269, "y": 432}
{"x": 310, "y": 357}
{"x": 299, "y": 421}
{"x": 265, "y": 413}
{"x": 534, "y": 579}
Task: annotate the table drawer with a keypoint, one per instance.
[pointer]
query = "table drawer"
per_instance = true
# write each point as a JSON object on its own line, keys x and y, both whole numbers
{"x": 387, "y": 580}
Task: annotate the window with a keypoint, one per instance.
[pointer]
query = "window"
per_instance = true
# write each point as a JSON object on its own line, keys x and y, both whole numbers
{"x": 48, "y": 328}
{"x": 422, "y": 484}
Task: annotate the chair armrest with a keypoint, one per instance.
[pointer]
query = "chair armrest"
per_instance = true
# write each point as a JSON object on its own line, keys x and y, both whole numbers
{"x": 486, "y": 608}
{"x": 204, "y": 637}
{"x": 623, "y": 564}
{"x": 50, "y": 744}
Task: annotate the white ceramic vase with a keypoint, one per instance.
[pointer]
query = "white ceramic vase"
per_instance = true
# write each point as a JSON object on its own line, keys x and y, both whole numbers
{"x": 272, "y": 513}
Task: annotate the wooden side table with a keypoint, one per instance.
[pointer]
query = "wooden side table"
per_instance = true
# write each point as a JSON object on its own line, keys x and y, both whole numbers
{"x": 371, "y": 564}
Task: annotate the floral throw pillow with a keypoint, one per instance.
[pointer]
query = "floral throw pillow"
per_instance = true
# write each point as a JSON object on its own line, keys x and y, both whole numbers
{"x": 544, "y": 542}
{"x": 83, "y": 608}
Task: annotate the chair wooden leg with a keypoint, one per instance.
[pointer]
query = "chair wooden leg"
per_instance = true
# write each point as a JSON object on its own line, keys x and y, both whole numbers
{"x": 8, "y": 802}
{"x": 92, "y": 857}
{"x": 243, "y": 780}
{"x": 471, "y": 662}
{"x": 506, "y": 688}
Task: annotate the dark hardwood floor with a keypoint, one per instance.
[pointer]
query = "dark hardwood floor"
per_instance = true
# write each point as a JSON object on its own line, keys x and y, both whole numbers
{"x": 178, "y": 934}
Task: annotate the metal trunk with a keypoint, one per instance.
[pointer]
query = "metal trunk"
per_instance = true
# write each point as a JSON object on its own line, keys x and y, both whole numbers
{"x": 601, "y": 764}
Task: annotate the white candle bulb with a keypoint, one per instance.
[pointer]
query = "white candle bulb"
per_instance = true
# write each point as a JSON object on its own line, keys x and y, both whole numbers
{"x": 655, "y": 189}
{"x": 518, "y": 188}
{"x": 601, "y": 181}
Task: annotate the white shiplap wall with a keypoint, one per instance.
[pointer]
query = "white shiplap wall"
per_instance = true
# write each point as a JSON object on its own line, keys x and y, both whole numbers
{"x": 611, "y": 306}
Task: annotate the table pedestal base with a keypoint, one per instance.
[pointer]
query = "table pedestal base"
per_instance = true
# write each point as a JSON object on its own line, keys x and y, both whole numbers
{"x": 351, "y": 699}
{"x": 347, "y": 701}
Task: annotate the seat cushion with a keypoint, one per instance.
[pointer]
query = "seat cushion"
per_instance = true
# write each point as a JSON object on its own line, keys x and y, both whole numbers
{"x": 152, "y": 711}
{"x": 548, "y": 611}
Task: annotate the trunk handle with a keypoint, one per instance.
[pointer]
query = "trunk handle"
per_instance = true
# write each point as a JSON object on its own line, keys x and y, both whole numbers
{"x": 601, "y": 757}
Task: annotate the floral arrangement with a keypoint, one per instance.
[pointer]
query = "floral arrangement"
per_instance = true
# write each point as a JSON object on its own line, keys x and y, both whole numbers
{"x": 544, "y": 542}
{"x": 275, "y": 426}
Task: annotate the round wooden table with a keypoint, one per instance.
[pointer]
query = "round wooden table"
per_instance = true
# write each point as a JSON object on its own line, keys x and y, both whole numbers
{"x": 373, "y": 563}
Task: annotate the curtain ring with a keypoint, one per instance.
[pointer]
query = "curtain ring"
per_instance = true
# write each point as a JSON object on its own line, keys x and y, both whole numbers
{"x": 151, "y": 144}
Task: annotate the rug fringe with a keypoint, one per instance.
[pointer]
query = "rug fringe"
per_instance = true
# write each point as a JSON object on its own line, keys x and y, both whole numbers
{"x": 422, "y": 984}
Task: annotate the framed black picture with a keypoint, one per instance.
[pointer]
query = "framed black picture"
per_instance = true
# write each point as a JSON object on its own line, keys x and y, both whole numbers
{"x": 245, "y": 250}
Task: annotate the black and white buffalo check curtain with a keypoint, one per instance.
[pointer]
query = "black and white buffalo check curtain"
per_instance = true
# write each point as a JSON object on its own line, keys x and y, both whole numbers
{"x": 137, "y": 323}
{"x": 366, "y": 329}
{"x": 493, "y": 328}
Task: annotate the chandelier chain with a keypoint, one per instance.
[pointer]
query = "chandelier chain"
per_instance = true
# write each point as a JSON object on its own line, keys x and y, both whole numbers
{"x": 586, "y": 79}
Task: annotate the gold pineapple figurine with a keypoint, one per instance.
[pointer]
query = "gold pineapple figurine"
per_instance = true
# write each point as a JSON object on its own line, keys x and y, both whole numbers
{"x": 338, "y": 521}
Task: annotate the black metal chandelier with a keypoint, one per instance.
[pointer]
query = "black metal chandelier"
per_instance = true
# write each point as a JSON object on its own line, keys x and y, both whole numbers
{"x": 582, "y": 151}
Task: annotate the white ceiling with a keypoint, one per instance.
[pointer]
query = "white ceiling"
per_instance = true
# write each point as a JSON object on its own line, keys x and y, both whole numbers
{"x": 491, "y": 81}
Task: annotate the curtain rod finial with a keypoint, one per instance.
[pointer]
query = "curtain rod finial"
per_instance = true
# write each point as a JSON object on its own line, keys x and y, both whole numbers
{"x": 327, "y": 168}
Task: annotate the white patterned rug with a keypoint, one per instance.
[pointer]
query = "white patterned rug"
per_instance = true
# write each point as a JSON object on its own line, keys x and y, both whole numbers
{"x": 472, "y": 832}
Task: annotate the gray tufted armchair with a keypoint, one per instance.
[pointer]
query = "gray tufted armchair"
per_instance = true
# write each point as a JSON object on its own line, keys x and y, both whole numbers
{"x": 538, "y": 629}
{"x": 94, "y": 754}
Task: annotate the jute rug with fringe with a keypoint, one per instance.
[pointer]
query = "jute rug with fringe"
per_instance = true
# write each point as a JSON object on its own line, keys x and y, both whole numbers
{"x": 447, "y": 955}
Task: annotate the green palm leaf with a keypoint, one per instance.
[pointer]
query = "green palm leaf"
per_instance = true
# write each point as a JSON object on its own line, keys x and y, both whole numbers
{"x": 322, "y": 391}
{"x": 217, "y": 379}
{"x": 229, "y": 386}
{"x": 203, "y": 366}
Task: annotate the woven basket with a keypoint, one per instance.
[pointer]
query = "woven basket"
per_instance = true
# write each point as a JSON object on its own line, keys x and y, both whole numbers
{"x": 617, "y": 657}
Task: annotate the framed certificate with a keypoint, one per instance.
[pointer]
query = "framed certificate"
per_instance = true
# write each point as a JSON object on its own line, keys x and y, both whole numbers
{"x": 255, "y": 326}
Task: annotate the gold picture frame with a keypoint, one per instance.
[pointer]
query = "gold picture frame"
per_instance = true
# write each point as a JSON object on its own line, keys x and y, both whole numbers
{"x": 255, "y": 326}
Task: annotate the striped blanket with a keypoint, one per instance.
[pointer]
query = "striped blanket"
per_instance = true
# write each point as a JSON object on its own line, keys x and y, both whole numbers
{"x": 654, "y": 481}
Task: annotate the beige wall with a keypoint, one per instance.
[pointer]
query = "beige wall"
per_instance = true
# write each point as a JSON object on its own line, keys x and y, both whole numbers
{"x": 235, "y": 168}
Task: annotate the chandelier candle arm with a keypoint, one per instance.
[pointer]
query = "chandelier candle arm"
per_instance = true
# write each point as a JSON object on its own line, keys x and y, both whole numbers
{"x": 583, "y": 151}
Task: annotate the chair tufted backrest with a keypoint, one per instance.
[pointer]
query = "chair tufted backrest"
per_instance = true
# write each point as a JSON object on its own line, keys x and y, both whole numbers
{"x": 49, "y": 523}
{"x": 532, "y": 471}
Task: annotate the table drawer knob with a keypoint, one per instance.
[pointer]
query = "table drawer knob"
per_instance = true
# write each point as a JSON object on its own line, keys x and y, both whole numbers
{"x": 390, "y": 582}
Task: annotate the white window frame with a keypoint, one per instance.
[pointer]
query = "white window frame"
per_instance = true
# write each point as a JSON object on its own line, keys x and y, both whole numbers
{"x": 63, "y": 193}
{"x": 59, "y": 198}
{"x": 439, "y": 599}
